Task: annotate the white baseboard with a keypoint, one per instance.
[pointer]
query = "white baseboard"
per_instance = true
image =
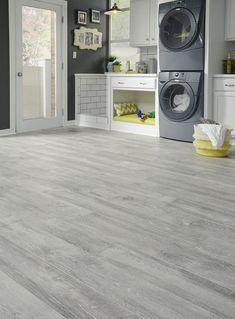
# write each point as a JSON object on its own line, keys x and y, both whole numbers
{"x": 70, "y": 123}
{"x": 98, "y": 122}
{"x": 7, "y": 132}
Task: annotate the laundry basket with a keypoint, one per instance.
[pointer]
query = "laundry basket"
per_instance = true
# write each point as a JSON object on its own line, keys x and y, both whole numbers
{"x": 204, "y": 146}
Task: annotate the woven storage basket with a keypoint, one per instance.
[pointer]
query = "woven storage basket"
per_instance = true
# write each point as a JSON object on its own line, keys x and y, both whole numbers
{"x": 204, "y": 146}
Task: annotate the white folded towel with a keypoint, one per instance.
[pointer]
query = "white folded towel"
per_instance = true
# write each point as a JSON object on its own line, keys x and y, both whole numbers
{"x": 216, "y": 133}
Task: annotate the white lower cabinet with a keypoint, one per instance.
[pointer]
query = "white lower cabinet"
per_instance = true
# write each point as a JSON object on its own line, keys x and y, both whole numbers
{"x": 133, "y": 89}
{"x": 224, "y": 101}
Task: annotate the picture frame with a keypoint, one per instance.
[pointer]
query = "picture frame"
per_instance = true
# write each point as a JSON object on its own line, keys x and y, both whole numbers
{"x": 81, "y": 17}
{"x": 95, "y": 16}
{"x": 87, "y": 39}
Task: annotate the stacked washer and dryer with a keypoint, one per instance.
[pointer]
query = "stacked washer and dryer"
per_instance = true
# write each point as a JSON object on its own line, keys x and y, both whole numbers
{"x": 181, "y": 62}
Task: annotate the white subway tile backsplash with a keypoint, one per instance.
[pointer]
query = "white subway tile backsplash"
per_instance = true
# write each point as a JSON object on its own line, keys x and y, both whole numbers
{"x": 83, "y": 94}
{"x": 84, "y": 100}
{"x": 94, "y": 87}
{"x": 99, "y": 105}
{"x": 95, "y": 99}
{"x": 83, "y": 81}
{"x": 102, "y": 81}
{"x": 83, "y": 87}
{"x": 91, "y": 81}
{"x": 91, "y": 95}
{"x": 101, "y": 93}
{"x": 152, "y": 50}
{"x": 147, "y": 54}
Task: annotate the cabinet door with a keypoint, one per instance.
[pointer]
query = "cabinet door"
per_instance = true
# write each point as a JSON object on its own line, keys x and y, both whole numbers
{"x": 154, "y": 23}
{"x": 224, "y": 112}
{"x": 140, "y": 23}
{"x": 229, "y": 20}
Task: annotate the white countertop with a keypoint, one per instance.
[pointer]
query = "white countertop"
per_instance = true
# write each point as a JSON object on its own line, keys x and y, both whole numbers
{"x": 224, "y": 75}
{"x": 131, "y": 74}
{"x": 142, "y": 75}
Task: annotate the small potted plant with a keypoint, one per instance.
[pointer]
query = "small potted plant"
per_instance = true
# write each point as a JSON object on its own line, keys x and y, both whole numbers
{"x": 117, "y": 66}
{"x": 110, "y": 61}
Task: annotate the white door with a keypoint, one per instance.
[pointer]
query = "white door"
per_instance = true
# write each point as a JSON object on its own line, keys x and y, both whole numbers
{"x": 38, "y": 65}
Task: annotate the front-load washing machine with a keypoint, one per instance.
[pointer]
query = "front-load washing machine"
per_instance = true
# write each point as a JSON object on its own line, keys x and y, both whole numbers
{"x": 181, "y": 104}
{"x": 181, "y": 35}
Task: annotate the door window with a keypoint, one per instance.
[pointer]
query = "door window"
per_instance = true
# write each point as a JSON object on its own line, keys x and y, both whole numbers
{"x": 177, "y": 101}
{"x": 178, "y": 29}
{"x": 39, "y": 62}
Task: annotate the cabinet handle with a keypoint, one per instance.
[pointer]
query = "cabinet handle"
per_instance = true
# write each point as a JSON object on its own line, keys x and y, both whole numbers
{"x": 153, "y": 39}
{"x": 230, "y": 85}
{"x": 121, "y": 82}
{"x": 142, "y": 83}
{"x": 147, "y": 39}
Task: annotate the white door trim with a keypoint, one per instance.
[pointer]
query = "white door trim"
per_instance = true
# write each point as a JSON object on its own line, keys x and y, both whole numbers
{"x": 12, "y": 49}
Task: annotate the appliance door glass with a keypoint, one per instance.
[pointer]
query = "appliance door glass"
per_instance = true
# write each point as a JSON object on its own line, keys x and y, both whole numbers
{"x": 178, "y": 29}
{"x": 177, "y": 101}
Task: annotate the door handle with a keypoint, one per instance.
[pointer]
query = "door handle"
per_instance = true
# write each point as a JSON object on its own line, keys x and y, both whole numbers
{"x": 19, "y": 74}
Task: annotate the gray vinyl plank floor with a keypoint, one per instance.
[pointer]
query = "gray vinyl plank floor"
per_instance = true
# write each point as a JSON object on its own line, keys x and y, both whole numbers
{"x": 105, "y": 225}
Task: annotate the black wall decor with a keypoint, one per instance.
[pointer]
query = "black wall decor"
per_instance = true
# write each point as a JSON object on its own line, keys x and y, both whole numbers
{"x": 86, "y": 62}
{"x": 4, "y": 67}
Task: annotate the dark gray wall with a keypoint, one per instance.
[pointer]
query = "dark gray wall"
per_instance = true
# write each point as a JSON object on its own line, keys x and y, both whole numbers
{"x": 87, "y": 61}
{"x": 4, "y": 67}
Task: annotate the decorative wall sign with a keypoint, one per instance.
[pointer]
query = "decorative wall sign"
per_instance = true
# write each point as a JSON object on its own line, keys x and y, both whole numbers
{"x": 90, "y": 39}
{"x": 95, "y": 16}
{"x": 82, "y": 17}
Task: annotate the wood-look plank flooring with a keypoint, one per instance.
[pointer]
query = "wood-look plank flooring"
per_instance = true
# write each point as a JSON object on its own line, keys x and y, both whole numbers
{"x": 105, "y": 225}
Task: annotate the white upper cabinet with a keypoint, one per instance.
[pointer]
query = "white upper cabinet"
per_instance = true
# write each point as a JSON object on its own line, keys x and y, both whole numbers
{"x": 153, "y": 22}
{"x": 230, "y": 21}
{"x": 143, "y": 22}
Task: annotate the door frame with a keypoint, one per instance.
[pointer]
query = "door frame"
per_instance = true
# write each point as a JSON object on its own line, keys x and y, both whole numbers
{"x": 13, "y": 70}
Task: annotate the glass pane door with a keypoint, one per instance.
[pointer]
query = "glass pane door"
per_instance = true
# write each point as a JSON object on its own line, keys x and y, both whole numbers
{"x": 39, "y": 62}
{"x": 39, "y": 55}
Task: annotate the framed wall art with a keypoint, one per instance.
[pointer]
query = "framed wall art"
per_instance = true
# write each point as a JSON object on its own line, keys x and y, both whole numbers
{"x": 81, "y": 17}
{"x": 87, "y": 39}
{"x": 95, "y": 16}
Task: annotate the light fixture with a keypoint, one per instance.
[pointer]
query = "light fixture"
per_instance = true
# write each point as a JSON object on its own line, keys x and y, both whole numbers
{"x": 114, "y": 10}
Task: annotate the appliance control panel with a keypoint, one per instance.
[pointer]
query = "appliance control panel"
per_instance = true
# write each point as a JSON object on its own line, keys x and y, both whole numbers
{"x": 178, "y": 75}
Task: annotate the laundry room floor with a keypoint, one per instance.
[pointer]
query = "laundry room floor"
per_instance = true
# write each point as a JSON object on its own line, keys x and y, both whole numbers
{"x": 106, "y": 225}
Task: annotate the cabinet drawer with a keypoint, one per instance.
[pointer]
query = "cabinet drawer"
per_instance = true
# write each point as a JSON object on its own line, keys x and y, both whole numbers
{"x": 140, "y": 83}
{"x": 224, "y": 84}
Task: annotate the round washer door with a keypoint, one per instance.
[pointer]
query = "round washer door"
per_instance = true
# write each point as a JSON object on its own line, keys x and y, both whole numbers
{"x": 177, "y": 101}
{"x": 178, "y": 29}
